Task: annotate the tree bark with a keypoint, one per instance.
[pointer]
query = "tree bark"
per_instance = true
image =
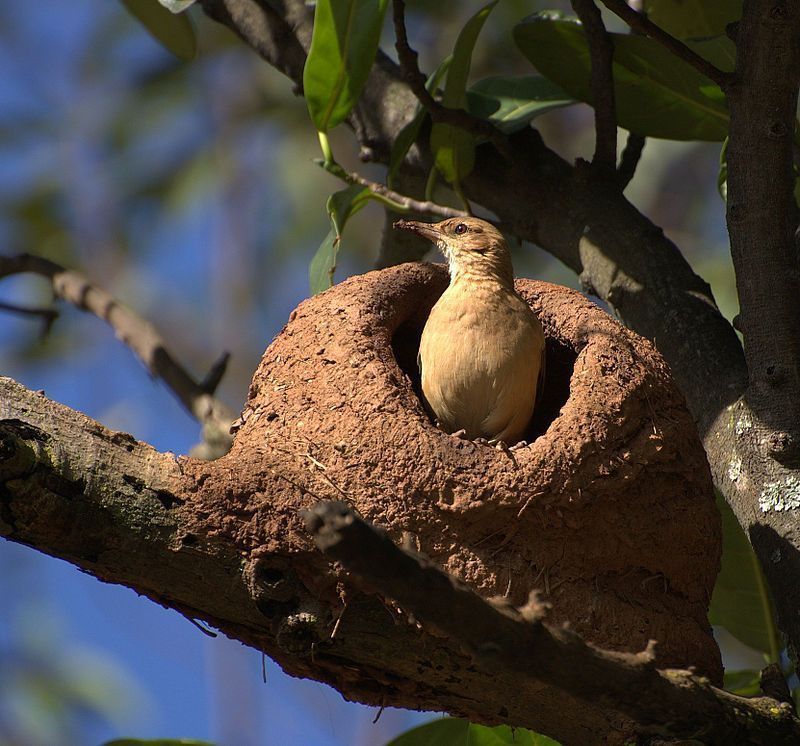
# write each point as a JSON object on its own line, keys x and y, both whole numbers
{"x": 762, "y": 217}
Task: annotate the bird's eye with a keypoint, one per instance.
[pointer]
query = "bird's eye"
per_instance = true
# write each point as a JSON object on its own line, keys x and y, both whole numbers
{"x": 461, "y": 229}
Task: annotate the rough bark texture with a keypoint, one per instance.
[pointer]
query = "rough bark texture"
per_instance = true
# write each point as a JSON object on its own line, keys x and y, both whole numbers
{"x": 609, "y": 512}
{"x": 762, "y": 217}
{"x": 754, "y": 444}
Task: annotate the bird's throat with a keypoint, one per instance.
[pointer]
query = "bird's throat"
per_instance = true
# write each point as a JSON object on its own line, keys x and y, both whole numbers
{"x": 464, "y": 274}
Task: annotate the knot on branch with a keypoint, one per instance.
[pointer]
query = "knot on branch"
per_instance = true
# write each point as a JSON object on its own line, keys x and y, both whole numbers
{"x": 20, "y": 445}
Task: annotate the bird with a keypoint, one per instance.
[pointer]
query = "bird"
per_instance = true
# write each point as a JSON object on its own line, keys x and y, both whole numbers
{"x": 481, "y": 354}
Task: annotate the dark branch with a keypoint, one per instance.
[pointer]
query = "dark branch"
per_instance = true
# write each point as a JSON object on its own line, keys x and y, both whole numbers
{"x": 278, "y": 38}
{"x": 601, "y": 85}
{"x": 47, "y": 315}
{"x": 215, "y": 374}
{"x": 438, "y": 113}
{"x": 500, "y": 637}
{"x": 629, "y": 159}
{"x": 640, "y": 23}
{"x": 762, "y": 215}
{"x": 139, "y": 335}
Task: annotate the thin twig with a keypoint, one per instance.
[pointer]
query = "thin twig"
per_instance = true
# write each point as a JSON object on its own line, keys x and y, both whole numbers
{"x": 47, "y": 315}
{"x": 642, "y": 24}
{"x": 629, "y": 159}
{"x": 601, "y": 85}
{"x": 401, "y": 201}
{"x": 439, "y": 113}
{"x": 141, "y": 337}
{"x": 205, "y": 630}
{"x": 216, "y": 372}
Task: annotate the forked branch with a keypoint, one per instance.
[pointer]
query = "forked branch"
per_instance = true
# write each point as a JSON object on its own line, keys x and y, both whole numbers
{"x": 439, "y": 113}
{"x": 143, "y": 339}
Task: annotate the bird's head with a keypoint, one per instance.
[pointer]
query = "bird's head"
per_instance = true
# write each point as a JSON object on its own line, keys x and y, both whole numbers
{"x": 471, "y": 246}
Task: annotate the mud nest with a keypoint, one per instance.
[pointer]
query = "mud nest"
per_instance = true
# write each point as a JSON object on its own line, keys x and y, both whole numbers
{"x": 609, "y": 512}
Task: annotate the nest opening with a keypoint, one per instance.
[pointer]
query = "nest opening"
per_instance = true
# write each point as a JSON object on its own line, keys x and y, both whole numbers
{"x": 559, "y": 363}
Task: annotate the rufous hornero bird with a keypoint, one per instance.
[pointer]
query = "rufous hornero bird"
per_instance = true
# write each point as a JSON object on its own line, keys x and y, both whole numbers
{"x": 481, "y": 355}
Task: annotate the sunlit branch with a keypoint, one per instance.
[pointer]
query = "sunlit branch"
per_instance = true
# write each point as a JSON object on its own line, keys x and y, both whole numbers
{"x": 142, "y": 338}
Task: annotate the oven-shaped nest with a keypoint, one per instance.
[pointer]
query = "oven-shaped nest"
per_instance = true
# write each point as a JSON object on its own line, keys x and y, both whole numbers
{"x": 609, "y": 511}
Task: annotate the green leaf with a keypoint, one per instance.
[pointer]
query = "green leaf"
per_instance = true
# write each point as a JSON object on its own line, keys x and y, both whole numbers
{"x": 323, "y": 264}
{"x": 657, "y": 94}
{"x": 511, "y": 102}
{"x": 408, "y": 135}
{"x": 454, "y": 152}
{"x": 741, "y": 601}
{"x": 343, "y": 46}
{"x": 341, "y": 206}
{"x": 176, "y": 33}
{"x": 691, "y": 19}
{"x": 456, "y": 86}
{"x": 457, "y": 732}
{"x": 718, "y": 50}
{"x": 744, "y": 683}
{"x": 454, "y": 148}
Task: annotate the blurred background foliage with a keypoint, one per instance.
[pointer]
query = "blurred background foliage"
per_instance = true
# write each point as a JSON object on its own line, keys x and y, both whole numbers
{"x": 188, "y": 190}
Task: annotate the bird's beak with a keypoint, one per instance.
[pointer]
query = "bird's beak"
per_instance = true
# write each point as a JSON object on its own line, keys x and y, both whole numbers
{"x": 426, "y": 230}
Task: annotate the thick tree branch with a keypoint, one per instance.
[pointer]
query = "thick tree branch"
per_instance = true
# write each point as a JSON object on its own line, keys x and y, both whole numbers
{"x": 128, "y": 514}
{"x": 503, "y": 639}
{"x": 762, "y": 216}
{"x": 601, "y": 85}
{"x": 145, "y": 342}
{"x": 282, "y": 39}
{"x": 640, "y": 23}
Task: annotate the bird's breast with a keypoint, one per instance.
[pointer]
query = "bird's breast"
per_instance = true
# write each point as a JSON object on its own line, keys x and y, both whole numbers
{"x": 480, "y": 355}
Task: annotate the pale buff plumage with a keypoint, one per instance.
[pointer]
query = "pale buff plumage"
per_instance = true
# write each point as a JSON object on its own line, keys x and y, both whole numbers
{"x": 482, "y": 350}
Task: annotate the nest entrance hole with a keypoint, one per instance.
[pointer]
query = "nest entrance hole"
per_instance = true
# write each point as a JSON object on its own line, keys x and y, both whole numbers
{"x": 559, "y": 363}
